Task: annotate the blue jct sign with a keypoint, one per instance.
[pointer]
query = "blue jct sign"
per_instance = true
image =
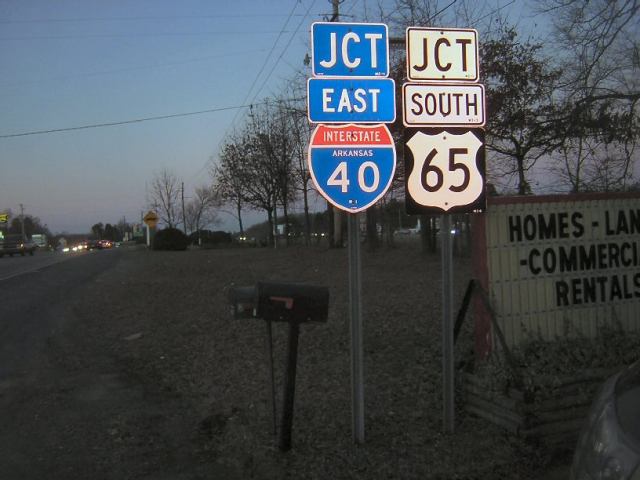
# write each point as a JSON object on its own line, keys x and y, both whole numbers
{"x": 350, "y": 49}
{"x": 343, "y": 100}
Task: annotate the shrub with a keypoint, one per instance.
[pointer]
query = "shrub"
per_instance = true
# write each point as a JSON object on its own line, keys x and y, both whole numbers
{"x": 170, "y": 239}
{"x": 210, "y": 238}
{"x": 538, "y": 360}
{"x": 219, "y": 237}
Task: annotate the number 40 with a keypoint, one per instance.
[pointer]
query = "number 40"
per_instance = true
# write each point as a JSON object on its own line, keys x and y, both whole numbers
{"x": 339, "y": 177}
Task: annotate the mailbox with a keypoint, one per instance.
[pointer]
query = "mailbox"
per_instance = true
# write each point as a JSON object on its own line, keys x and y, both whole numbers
{"x": 281, "y": 302}
{"x": 243, "y": 302}
{"x": 292, "y": 302}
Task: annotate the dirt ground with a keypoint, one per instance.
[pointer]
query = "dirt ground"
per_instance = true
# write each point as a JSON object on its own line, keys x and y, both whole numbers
{"x": 185, "y": 387}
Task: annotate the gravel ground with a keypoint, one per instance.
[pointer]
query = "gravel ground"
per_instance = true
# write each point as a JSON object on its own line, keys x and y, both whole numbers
{"x": 164, "y": 319}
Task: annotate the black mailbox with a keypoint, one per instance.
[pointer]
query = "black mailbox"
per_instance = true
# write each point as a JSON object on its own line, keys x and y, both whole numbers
{"x": 243, "y": 302}
{"x": 292, "y": 302}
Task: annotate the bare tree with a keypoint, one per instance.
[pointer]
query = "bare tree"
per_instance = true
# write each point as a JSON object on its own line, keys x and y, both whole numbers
{"x": 283, "y": 146}
{"x": 271, "y": 154}
{"x": 248, "y": 175}
{"x": 520, "y": 85}
{"x": 599, "y": 124}
{"x": 301, "y": 134}
{"x": 165, "y": 195}
{"x": 261, "y": 188}
{"x": 200, "y": 209}
{"x": 228, "y": 177}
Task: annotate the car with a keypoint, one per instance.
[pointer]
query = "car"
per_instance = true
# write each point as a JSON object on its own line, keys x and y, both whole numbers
{"x": 16, "y": 243}
{"x": 92, "y": 244}
{"x": 105, "y": 244}
{"x": 609, "y": 444}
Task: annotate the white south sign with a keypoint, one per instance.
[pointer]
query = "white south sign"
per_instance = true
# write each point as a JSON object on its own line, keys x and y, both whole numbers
{"x": 440, "y": 104}
{"x": 442, "y": 54}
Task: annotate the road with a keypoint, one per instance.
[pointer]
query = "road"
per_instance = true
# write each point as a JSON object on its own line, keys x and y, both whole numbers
{"x": 18, "y": 265}
{"x": 70, "y": 408}
{"x": 101, "y": 377}
{"x": 33, "y": 288}
{"x": 46, "y": 401}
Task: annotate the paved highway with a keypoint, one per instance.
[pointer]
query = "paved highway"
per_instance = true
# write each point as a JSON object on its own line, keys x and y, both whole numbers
{"x": 18, "y": 265}
{"x": 32, "y": 291}
{"x": 37, "y": 315}
{"x": 70, "y": 406}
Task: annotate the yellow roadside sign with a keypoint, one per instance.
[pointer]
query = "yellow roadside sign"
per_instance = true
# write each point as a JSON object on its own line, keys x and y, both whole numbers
{"x": 4, "y": 217}
{"x": 151, "y": 219}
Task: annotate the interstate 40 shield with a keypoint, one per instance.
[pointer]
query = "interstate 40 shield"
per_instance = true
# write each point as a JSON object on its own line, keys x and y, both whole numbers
{"x": 352, "y": 166}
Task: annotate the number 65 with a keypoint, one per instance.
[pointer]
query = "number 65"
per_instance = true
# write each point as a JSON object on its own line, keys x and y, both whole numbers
{"x": 428, "y": 168}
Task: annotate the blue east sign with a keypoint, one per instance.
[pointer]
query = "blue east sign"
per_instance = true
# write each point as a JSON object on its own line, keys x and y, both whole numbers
{"x": 345, "y": 100}
{"x": 350, "y": 49}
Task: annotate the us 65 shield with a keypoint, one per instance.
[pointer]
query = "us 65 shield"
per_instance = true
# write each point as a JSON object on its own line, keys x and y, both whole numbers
{"x": 444, "y": 171}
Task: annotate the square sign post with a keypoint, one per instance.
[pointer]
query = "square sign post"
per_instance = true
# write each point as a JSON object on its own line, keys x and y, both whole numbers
{"x": 443, "y": 109}
{"x": 351, "y": 164}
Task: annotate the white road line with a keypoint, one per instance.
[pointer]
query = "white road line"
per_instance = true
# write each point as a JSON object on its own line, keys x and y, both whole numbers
{"x": 35, "y": 269}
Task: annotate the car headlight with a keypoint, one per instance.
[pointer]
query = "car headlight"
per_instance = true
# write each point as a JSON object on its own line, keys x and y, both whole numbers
{"x": 612, "y": 469}
{"x": 610, "y": 458}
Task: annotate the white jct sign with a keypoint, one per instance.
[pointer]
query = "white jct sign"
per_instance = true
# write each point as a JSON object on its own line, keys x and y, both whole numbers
{"x": 444, "y": 173}
{"x": 442, "y": 54}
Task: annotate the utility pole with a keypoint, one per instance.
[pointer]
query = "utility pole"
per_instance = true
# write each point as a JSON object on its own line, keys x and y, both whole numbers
{"x": 184, "y": 217}
{"x": 22, "y": 222}
{"x": 335, "y": 14}
{"x": 355, "y": 301}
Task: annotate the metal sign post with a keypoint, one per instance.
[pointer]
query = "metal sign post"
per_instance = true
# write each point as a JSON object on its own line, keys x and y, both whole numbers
{"x": 150, "y": 220}
{"x": 352, "y": 165}
{"x": 286, "y": 422}
{"x": 272, "y": 381}
{"x": 355, "y": 310}
{"x": 447, "y": 325}
{"x": 444, "y": 165}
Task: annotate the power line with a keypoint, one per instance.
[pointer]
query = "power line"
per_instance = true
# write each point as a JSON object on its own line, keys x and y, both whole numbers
{"x": 284, "y": 50}
{"x": 121, "y": 122}
{"x": 353, "y": 5}
{"x": 139, "y": 67}
{"x": 495, "y": 11}
{"x": 141, "y": 35}
{"x": 270, "y": 72}
{"x": 442, "y": 10}
{"x": 118, "y": 19}
{"x": 264, "y": 64}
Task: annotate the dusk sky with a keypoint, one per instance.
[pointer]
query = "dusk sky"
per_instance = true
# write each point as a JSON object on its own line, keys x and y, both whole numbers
{"x": 86, "y": 62}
